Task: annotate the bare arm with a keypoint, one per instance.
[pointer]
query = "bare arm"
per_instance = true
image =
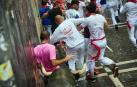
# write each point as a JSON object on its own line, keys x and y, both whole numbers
{"x": 54, "y": 61}
{"x": 78, "y": 21}
{"x": 58, "y": 62}
{"x": 44, "y": 15}
{"x": 106, "y": 27}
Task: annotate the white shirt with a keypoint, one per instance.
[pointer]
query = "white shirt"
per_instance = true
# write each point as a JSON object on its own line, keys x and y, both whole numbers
{"x": 130, "y": 9}
{"x": 67, "y": 32}
{"x": 112, "y": 3}
{"x": 95, "y": 24}
{"x": 72, "y": 13}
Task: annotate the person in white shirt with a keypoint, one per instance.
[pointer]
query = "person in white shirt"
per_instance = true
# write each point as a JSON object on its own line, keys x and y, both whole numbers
{"x": 96, "y": 48}
{"x": 74, "y": 41}
{"x": 112, "y": 6}
{"x": 130, "y": 8}
{"x": 73, "y": 11}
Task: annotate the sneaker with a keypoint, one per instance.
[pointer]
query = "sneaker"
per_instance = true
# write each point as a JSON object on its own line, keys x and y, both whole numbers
{"x": 115, "y": 71}
{"x": 92, "y": 79}
{"x": 77, "y": 76}
{"x": 116, "y": 27}
{"x": 117, "y": 19}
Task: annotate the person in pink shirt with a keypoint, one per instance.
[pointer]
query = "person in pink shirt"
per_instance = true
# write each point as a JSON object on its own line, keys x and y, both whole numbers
{"x": 46, "y": 55}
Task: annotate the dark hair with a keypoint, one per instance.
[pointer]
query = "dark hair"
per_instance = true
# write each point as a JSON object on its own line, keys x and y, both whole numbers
{"x": 91, "y": 8}
{"x": 74, "y": 2}
{"x": 43, "y": 3}
{"x": 44, "y": 35}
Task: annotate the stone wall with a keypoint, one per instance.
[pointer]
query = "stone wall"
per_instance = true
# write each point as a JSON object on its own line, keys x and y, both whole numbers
{"x": 19, "y": 30}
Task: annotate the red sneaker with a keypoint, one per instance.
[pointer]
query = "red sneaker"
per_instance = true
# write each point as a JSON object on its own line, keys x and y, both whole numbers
{"x": 92, "y": 79}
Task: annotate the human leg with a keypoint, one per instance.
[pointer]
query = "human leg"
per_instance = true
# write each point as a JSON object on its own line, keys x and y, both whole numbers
{"x": 81, "y": 53}
{"x": 91, "y": 51}
{"x": 104, "y": 60}
{"x": 90, "y": 73}
{"x": 131, "y": 32}
{"x": 136, "y": 31}
{"x": 113, "y": 16}
{"x": 116, "y": 16}
{"x": 71, "y": 63}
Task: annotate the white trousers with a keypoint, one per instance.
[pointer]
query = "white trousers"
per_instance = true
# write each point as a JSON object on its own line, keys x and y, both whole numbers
{"x": 87, "y": 40}
{"x": 114, "y": 13}
{"x": 79, "y": 54}
{"x": 132, "y": 31}
{"x": 92, "y": 51}
{"x": 113, "y": 8}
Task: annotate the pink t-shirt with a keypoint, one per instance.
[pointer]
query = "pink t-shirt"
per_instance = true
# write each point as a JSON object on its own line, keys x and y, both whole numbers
{"x": 44, "y": 54}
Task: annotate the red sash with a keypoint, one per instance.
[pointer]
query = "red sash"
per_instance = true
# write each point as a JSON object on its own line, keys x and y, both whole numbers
{"x": 97, "y": 47}
{"x": 129, "y": 26}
